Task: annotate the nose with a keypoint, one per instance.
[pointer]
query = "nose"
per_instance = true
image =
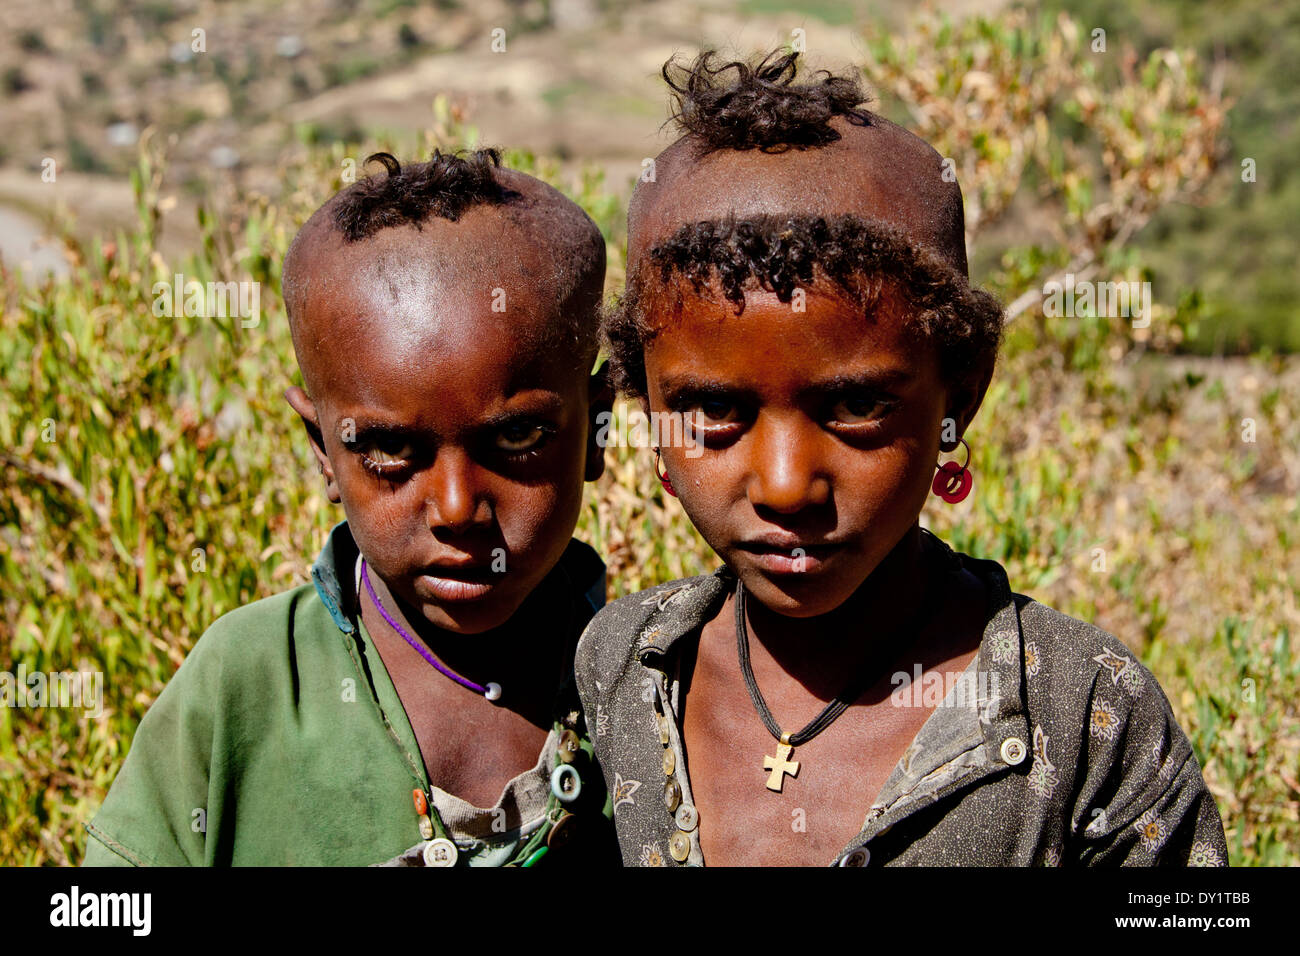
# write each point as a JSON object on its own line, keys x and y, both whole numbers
{"x": 455, "y": 501}
{"x": 785, "y": 473}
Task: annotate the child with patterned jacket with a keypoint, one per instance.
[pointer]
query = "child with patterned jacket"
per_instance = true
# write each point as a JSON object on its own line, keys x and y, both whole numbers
{"x": 846, "y": 689}
{"x": 414, "y": 704}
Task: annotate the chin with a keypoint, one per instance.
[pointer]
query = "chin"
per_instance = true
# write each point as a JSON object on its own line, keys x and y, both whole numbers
{"x": 467, "y": 607}
{"x": 466, "y": 620}
{"x": 796, "y": 595}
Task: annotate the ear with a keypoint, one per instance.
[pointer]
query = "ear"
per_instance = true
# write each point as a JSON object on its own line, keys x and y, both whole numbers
{"x": 306, "y": 410}
{"x": 964, "y": 402}
{"x": 600, "y": 409}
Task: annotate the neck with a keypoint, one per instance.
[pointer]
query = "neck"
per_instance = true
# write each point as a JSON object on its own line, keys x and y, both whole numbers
{"x": 889, "y": 597}
{"x": 495, "y": 655}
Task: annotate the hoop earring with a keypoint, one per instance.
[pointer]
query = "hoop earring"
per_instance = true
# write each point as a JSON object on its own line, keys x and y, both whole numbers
{"x": 663, "y": 477}
{"x": 953, "y": 482}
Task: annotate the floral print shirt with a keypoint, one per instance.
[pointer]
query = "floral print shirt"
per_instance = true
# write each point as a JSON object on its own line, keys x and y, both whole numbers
{"x": 1056, "y": 748}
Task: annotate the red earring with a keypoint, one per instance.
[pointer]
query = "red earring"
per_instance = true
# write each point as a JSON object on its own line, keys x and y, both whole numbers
{"x": 663, "y": 477}
{"x": 953, "y": 481}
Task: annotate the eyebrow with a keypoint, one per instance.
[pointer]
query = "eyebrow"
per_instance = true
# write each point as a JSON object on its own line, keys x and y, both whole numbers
{"x": 867, "y": 379}
{"x": 882, "y": 378}
{"x": 369, "y": 428}
{"x": 545, "y": 403}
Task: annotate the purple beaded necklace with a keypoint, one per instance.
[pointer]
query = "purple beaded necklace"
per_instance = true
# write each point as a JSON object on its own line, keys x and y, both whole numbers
{"x": 491, "y": 691}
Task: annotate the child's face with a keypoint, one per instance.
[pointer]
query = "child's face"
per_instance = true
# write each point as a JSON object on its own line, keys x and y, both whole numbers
{"x": 821, "y": 433}
{"x": 457, "y": 442}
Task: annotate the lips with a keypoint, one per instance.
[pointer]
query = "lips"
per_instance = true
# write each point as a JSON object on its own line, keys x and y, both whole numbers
{"x": 458, "y": 580}
{"x": 471, "y": 568}
{"x": 789, "y": 554}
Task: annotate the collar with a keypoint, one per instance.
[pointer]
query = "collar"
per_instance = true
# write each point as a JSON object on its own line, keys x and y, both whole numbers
{"x": 337, "y": 591}
{"x": 1002, "y": 715}
{"x": 981, "y": 724}
{"x": 680, "y": 609}
{"x": 965, "y": 740}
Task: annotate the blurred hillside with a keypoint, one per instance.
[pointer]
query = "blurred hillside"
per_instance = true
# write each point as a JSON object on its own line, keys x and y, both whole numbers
{"x": 578, "y": 79}
{"x": 1240, "y": 249}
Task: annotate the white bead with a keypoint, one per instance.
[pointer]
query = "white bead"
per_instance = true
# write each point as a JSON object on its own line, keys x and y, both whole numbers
{"x": 493, "y": 692}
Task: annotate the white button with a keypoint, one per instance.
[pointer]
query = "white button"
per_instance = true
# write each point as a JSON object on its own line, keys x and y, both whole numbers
{"x": 1013, "y": 750}
{"x": 859, "y": 857}
{"x": 565, "y": 782}
{"x": 440, "y": 852}
{"x": 687, "y": 817}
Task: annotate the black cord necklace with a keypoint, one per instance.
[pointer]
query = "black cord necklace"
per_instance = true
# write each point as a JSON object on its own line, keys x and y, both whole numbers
{"x": 780, "y": 765}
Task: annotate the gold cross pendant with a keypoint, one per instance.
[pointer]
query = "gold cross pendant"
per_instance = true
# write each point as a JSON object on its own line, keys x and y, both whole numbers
{"x": 780, "y": 765}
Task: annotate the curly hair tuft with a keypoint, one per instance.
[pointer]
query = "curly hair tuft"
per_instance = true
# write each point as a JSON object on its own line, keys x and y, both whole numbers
{"x": 761, "y": 107}
{"x": 445, "y": 186}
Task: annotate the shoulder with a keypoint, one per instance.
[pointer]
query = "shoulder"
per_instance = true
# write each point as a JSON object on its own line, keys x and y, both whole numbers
{"x": 253, "y": 646}
{"x": 584, "y": 572}
{"x": 1070, "y": 645}
{"x": 1075, "y": 679}
{"x": 260, "y": 627}
{"x": 1073, "y": 658}
{"x": 1092, "y": 694}
{"x": 634, "y": 622}
{"x": 1099, "y": 714}
{"x": 1061, "y": 658}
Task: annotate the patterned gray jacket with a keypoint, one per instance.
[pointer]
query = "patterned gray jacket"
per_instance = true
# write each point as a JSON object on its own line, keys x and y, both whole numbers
{"x": 1066, "y": 753}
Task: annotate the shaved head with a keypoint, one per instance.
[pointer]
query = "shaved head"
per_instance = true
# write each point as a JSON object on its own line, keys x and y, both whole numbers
{"x": 874, "y": 169}
{"x": 412, "y": 278}
{"x": 757, "y": 144}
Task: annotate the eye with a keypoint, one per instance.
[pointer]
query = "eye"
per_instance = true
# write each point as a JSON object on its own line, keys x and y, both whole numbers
{"x": 856, "y": 410}
{"x": 711, "y": 414}
{"x": 521, "y": 437}
{"x": 385, "y": 456}
{"x": 717, "y": 411}
{"x": 713, "y": 420}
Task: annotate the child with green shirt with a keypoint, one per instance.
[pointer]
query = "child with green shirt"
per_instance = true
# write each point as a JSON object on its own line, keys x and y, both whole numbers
{"x": 414, "y": 704}
{"x": 846, "y": 689}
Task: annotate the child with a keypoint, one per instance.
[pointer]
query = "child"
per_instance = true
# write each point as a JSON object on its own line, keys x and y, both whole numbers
{"x": 797, "y": 286}
{"x": 414, "y": 704}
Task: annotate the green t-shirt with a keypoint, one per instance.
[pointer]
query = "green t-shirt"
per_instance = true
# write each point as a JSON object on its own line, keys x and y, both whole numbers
{"x": 281, "y": 741}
